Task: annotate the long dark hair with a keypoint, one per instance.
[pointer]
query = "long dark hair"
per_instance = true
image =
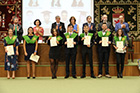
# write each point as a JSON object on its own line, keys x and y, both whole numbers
{"x": 32, "y": 29}
{"x": 52, "y": 31}
{"x": 121, "y": 34}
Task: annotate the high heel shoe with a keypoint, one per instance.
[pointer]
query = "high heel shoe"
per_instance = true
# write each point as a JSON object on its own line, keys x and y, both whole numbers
{"x": 33, "y": 77}
{"x": 8, "y": 77}
{"x": 55, "y": 77}
{"x": 28, "y": 77}
{"x": 118, "y": 75}
{"x": 13, "y": 77}
{"x": 121, "y": 76}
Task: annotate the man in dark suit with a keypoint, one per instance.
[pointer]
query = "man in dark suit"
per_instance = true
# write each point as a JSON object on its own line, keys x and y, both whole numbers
{"x": 87, "y": 49}
{"x": 91, "y": 25}
{"x": 103, "y": 51}
{"x": 60, "y": 26}
{"x": 109, "y": 25}
{"x": 71, "y": 52}
{"x": 17, "y": 28}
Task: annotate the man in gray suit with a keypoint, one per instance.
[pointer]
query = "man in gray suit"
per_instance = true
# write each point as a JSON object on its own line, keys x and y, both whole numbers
{"x": 109, "y": 25}
{"x": 17, "y": 28}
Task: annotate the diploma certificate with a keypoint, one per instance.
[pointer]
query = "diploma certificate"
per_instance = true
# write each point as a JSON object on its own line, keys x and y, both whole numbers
{"x": 34, "y": 58}
{"x": 120, "y": 46}
{"x": 10, "y": 50}
{"x": 105, "y": 41}
{"x": 53, "y": 42}
{"x": 87, "y": 40}
{"x": 70, "y": 43}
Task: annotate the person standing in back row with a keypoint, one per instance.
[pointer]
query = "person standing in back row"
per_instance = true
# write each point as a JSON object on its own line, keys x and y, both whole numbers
{"x": 17, "y": 28}
{"x": 59, "y": 26}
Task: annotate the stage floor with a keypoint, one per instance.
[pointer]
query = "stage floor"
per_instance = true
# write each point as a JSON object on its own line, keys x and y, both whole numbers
{"x": 129, "y": 84}
{"x": 130, "y": 69}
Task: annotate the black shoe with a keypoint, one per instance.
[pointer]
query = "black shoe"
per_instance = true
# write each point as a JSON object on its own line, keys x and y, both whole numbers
{"x": 33, "y": 77}
{"x": 118, "y": 75}
{"x": 55, "y": 77}
{"x": 83, "y": 76}
{"x": 66, "y": 76}
{"x": 92, "y": 76}
{"x": 52, "y": 77}
{"x": 121, "y": 76}
{"x": 28, "y": 77}
{"x": 74, "y": 77}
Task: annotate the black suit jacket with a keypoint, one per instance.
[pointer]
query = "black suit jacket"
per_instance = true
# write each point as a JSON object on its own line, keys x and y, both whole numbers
{"x": 19, "y": 33}
{"x": 61, "y": 31}
{"x": 75, "y": 40}
{"x": 100, "y": 45}
{"x": 109, "y": 25}
{"x": 93, "y": 30}
{"x": 91, "y": 42}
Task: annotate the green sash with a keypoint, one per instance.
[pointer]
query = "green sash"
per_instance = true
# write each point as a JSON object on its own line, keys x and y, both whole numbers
{"x": 31, "y": 41}
{"x": 122, "y": 39}
{"x": 89, "y": 34}
{"x": 67, "y": 35}
{"x": 100, "y": 34}
{"x": 58, "y": 38}
{"x": 10, "y": 41}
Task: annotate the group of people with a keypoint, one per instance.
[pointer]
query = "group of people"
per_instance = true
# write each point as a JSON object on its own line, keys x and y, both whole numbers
{"x": 34, "y": 36}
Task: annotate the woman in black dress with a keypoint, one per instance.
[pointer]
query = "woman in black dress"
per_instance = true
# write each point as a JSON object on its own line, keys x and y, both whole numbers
{"x": 30, "y": 46}
{"x": 54, "y": 52}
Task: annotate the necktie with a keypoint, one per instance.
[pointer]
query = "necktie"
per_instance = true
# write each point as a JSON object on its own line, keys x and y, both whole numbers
{"x": 58, "y": 27}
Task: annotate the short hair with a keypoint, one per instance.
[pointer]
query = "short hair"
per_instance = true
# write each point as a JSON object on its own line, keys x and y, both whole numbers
{"x": 85, "y": 25}
{"x": 57, "y": 17}
{"x": 70, "y": 25}
{"x": 15, "y": 18}
{"x": 104, "y": 15}
{"x": 88, "y": 17}
{"x": 121, "y": 16}
{"x": 31, "y": 28}
{"x": 37, "y": 20}
{"x": 71, "y": 19}
{"x": 121, "y": 31}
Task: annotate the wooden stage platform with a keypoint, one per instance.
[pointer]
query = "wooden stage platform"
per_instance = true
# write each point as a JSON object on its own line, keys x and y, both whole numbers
{"x": 43, "y": 67}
